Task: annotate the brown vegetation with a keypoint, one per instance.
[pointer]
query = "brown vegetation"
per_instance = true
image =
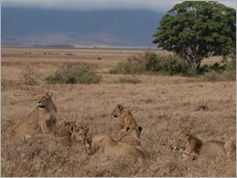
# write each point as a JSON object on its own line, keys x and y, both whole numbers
{"x": 162, "y": 105}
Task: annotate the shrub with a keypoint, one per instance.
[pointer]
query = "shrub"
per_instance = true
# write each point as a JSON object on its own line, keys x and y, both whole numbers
{"x": 74, "y": 73}
{"x": 152, "y": 63}
{"x": 51, "y": 79}
{"x": 170, "y": 65}
{"x": 30, "y": 76}
{"x": 133, "y": 65}
{"x": 131, "y": 80}
{"x": 220, "y": 72}
{"x": 215, "y": 76}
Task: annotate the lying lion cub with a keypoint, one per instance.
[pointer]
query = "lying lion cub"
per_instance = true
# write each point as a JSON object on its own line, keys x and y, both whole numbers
{"x": 104, "y": 144}
{"x": 190, "y": 145}
{"x": 131, "y": 136}
{"x": 126, "y": 118}
{"x": 62, "y": 136}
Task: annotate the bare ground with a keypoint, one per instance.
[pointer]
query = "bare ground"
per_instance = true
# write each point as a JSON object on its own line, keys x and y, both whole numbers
{"x": 162, "y": 105}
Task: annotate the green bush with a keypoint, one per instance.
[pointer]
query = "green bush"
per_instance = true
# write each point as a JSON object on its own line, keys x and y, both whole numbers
{"x": 74, "y": 73}
{"x": 231, "y": 66}
{"x": 152, "y": 63}
{"x": 170, "y": 65}
{"x": 51, "y": 79}
{"x": 133, "y": 65}
{"x": 131, "y": 80}
{"x": 226, "y": 70}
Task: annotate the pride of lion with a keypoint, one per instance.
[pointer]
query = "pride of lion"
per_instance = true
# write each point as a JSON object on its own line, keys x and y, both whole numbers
{"x": 44, "y": 119}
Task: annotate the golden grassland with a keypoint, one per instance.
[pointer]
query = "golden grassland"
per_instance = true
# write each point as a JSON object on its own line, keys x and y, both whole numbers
{"x": 162, "y": 105}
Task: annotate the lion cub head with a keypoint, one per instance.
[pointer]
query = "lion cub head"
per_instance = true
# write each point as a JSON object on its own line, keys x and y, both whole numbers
{"x": 46, "y": 102}
{"x": 65, "y": 128}
{"x": 183, "y": 140}
{"x": 79, "y": 134}
{"x": 117, "y": 110}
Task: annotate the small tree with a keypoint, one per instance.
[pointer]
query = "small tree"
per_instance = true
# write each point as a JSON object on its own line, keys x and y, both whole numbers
{"x": 195, "y": 30}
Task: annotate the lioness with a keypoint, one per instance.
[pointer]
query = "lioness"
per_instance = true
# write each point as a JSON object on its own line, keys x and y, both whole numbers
{"x": 104, "y": 144}
{"x": 190, "y": 145}
{"x": 43, "y": 117}
{"x": 126, "y": 118}
{"x": 49, "y": 120}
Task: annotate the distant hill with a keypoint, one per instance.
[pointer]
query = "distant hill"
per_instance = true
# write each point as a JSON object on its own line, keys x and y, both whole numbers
{"x": 99, "y": 27}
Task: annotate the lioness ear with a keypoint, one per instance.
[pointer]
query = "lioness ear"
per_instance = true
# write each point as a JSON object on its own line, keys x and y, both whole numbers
{"x": 87, "y": 129}
{"x": 72, "y": 128}
{"x": 50, "y": 94}
{"x": 120, "y": 107}
{"x": 140, "y": 129}
{"x": 88, "y": 141}
{"x": 127, "y": 129}
{"x": 188, "y": 133}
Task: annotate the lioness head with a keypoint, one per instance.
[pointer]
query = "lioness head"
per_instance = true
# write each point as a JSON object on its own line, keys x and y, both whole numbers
{"x": 117, "y": 110}
{"x": 46, "y": 102}
{"x": 183, "y": 140}
{"x": 79, "y": 134}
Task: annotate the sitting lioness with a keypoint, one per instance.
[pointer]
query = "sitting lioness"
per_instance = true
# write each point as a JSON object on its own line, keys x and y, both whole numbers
{"x": 43, "y": 117}
{"x": 49, "y": 120}
{"x": 126, "y": 118}
{"x": 190, "y": 145}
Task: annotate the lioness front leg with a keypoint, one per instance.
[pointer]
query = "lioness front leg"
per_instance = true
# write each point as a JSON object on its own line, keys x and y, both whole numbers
{"x": 43, "y": 116}
{"x": 44, "y": 127}
{"x": 53, "y": 122}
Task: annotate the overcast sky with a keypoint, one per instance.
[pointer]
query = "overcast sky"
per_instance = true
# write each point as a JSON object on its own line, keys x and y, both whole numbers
{"x": 157, "y": 5}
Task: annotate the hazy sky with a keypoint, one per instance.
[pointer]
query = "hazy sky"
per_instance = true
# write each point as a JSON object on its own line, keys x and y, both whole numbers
{"x": 157, "y": 5}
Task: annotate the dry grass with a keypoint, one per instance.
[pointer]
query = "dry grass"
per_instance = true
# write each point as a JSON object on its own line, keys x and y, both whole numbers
{"x": 161, "y": 105}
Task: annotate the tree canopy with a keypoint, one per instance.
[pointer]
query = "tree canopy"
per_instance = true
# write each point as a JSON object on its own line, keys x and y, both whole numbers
{"x": 195, "y": 30}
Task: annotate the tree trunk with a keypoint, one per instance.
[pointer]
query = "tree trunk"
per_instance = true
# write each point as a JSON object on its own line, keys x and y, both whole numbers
{"x": 197, "y": 68}
{"x": 197, "y": 65}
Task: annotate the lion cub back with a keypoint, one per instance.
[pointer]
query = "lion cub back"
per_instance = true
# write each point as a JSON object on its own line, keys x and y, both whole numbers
{"x": 213, "y": 147}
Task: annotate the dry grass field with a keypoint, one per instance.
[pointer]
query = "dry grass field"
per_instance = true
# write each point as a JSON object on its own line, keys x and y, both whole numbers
{"x": 162, "y": 105}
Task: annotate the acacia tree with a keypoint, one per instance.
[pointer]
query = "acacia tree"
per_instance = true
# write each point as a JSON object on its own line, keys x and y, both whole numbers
{"x": 195, "y": 30}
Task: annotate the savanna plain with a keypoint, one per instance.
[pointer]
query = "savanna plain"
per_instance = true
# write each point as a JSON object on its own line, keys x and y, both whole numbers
{"x": 162, "y": 105}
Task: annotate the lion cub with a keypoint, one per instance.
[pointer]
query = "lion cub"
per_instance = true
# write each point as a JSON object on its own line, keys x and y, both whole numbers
{"x": 104, "y": 144}
{"x": 126, "y": 118}
{"x": 190, "y": 145}
{"x": 131, "y": 136}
